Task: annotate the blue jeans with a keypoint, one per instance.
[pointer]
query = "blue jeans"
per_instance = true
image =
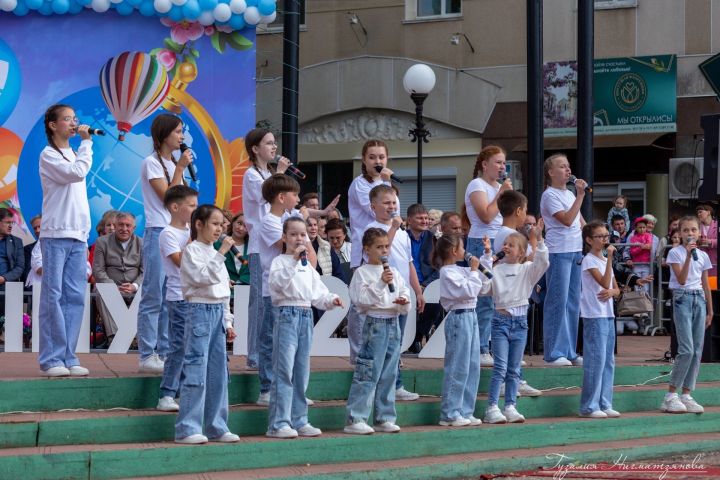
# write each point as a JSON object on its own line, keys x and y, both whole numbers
{"x": 509, "y": 336}
{"x": 152, "y": 322}
{"x": 62, "y": 300}
{"x": 178, "y": 313}
{"x": 561, "y": 310}
{"x": 265, "y": 344}
{"x": 375, "y": 370}
{"x": 204, "y": 391}
{"x": 255, "y": 308}
{"x": 485, "y": 307}
{"x": 292, "y": 339}
{"x": 402, "y": 320}
{"x": 598, "y": 364}
{"x": 462, "y": 365}
{"x": 355, "y": 323}
{"x": 689, "y": 312}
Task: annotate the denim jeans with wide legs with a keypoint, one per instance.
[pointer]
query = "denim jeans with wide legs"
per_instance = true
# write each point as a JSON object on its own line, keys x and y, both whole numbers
{"x": 485, "y": 308}
{"x": 375, "y": 370}
{"x": 204, "y": 390}
{"x": 689, "y": 312}
{"x": 292, "y": 339}
{"x": 62, "y": 300}
{"x": 178, "y": 313}
{"x": 509, "y": 336}
{"x": 265, "y": 344}
{"x": 598, "y": 364}
{"x": 462, "y": 365}
{"x": 152, "y": 322}
{"x": 355, "y": 322}
{"x": 561, "y": 310}
{"x": 256, "y": 307}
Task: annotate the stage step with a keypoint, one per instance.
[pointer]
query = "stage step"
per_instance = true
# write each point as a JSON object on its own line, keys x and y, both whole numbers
{"x": 155, "y": 459}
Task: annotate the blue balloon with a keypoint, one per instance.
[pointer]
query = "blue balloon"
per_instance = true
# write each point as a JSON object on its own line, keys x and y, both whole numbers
{"x": 251, "y": 3}
{"x": 10, "y": 93}
{"x": 206, "y": 5}
{"x": 175, "y": 13}
{"x": 124, "y": 8}
{"x": 20, "y": 10}
{"x": 237, "y": 22}
{"x": 191, "y": 9}
{"x": 135, "y": 3}
{"x": 76, "y": 7}
{"x": 46, "y": 9}
{"x": 147, "y": 9}
{"x": 34, "y": 4}
{"x": 84, "y": 3}
{"x": 60, "y": 6}
{"x": 266, "y": 7}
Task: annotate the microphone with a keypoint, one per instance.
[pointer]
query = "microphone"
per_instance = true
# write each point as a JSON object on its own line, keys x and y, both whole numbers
{"x": 481, "y": 267}
{"x": 292, "y": 169}
{"x": 94, "y": 131}
{"x": 191, "y": 167}
{"x": 694, "y": 250}
{"x": 574, "y": 179}
{"x": 303, "y": 258}
{"x": 498, "y": 256}
{"x": 386, "y": 267}
{"x": 393, "y": 177}
{"x": 234, "y": 250}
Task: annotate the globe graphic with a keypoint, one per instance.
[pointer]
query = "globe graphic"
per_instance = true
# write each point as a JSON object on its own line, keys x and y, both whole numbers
{"x": 114, "y": 179}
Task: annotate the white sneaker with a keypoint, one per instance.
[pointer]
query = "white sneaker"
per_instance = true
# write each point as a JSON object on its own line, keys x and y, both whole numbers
{"x": 309, "y": 402}
{"x": 672, "y": 404}
{"x": 193, "y": 439}
{"x": 494, "y": 415}
{"x": 55, "y": 372}
{"x": 402, "y": 394}
{"x": 512, "y": 415}
{"x": 263, "y": 399}
{"x": 593, "y": 414}
{"x": 691, "y": 405}
{"x": 152, "y": 364}
{"x": 611, "y": 413}
{"x": 523, "y": 363}
{"x": 486, "y": 360}
{"x": 308, "y": 430}
{"x": 78, "y": 371}
{"x": 578, "y": 361}
{"x": 560, "y": 362}
{"x": 386, "y": 427}
{"x": 284, "y": 432}
{"x": 474, "y": 422}
{"x": 167, "y": 404}
{"x": 359, "y": 428}
{"x": 458, "y": 422}
{"x": 227, "y": 437}
{"x": 527, "y": 390}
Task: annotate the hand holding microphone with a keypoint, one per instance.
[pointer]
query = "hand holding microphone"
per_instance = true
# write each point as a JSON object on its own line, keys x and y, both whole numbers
{"x": 469, "y": 258}
{"x": 229, "y": 244}
{"x": 393, "y": 177}
{"x": 191, "y": 168}
{"x": 387, "y": 275}
{"x": 691, "y": 245}
{"x": 574, "y": 180}
{"x": 290, "y": 167}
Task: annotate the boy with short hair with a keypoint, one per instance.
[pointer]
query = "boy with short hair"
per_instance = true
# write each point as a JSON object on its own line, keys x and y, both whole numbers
{"x": 383, "y": 202}
{"x": 181, "y": 201}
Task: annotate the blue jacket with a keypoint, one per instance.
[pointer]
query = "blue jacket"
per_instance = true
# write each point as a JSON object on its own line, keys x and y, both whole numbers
{"x": 15, "y": 259}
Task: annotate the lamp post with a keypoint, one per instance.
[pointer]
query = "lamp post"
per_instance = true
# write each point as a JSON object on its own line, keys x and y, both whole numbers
{"x": 419, "y": 81}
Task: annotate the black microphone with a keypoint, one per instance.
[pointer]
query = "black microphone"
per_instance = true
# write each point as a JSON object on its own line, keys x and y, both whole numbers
{"x": 303, "y": 258}
{"x": 393, "y": 177}
{"x": 499, "y": 256}
{"x": 96, "y": 131}
{"x": 191, "y": 166}
{"x": 694, "y": 250}
{"x": 481, "y": 267}
{"x": 574, "y": 179}
{"x": 292, "y": 169}
{"x": 234, "y": 250}
{"x": 386, "y": 267}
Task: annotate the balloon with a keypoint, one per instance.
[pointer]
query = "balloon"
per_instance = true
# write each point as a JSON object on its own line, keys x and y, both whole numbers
{"x": 206, "y": 18}
{"x": 45, "y": 9}
{"x": 10, "y": 79}
{"x": 175, "y": 13}
{"x": 8, "y": 5}
{"x": 147, "y": 9}
{"x": 266, "y": 7}
{"x": 83, "y": 2}
{"x": 60, "y": 6}
{"x": 237, "y": 22}
{"x": 252, "y": 16}
{"x": 21, "y": 10}
{"x": 100, "y": 6}
{"x": 135, "y": 3}
{"x": 222, "y": 13}
{"x": 179, "y": 3}
{"x": 238, "y": 6}
{"x": 268, "y": 19}
{"x": 75, "y": 7}
{"x": 133, "y": 85}
{"x": 208, "y": 5}
{"x": 191, "y": 10}
{"x": 251, "y": 3}
{"x": 34, "y": 4}
{"x": 124, "y": 8}
{"x": 162, "y": 6}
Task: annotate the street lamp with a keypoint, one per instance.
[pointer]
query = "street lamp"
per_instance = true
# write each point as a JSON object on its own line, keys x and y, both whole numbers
{"x": 419, "y": 81}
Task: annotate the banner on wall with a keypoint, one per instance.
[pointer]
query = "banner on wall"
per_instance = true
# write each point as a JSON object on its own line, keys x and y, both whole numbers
{"x": 631, "y": 95}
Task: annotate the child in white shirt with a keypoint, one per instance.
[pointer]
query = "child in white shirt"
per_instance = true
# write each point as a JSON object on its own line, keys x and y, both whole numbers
{"x": 294, "y": 286}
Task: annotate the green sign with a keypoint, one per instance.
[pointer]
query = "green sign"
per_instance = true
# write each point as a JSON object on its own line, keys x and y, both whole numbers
{"x": 631, "y": 95}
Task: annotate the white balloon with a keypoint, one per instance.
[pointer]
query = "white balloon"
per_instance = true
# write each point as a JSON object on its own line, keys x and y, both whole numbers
{"x": 206, "y": 18}
{"x": 238, "y": 6}
{"x": 252, "y": 16}
{"x": 8, "y": 5}
{"x": 268, "y": 19}
{"x": 162, "y": 6}
{"x": 222, "y": 12}
{"x": 100, "y": 6}
{"x": 179, "y": 3}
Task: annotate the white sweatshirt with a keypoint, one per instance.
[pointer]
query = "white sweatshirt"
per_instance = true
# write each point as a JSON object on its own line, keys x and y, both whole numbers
{"x": 65, "y": 208}
{"x": 254, "y": 205}
{"x": 295, "y": 285}
{"x": 460, "y": 287}
{"x": 360, "y": 214}
{"x": 204, "y": 277}
{"x": 512, "y": 283}
{"x": 371, "y": 296}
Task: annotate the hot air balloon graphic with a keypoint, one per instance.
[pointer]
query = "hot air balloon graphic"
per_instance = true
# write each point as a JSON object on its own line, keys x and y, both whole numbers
{"x": 133, "y": 85}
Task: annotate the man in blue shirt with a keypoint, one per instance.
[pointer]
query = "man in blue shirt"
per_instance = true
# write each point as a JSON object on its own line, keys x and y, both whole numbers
{"x": 418, "y": 223}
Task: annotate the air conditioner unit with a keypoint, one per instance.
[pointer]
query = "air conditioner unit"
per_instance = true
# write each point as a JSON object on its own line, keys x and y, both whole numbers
{"x": 686, "y": 176}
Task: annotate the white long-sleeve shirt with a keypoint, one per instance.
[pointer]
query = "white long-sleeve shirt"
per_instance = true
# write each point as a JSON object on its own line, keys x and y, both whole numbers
{"x": 204, "y": 277}
{"x": 295, "y": 285}
{"x": 35, "y": 265}
{"x": 512, "y": 283}
{"x": 254, "y": 205}
{"x": 460, "y": 287}
{"x": 371, "y": 296}
{"x": 65, "y": 208}
{"x": 361, "y": 215}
